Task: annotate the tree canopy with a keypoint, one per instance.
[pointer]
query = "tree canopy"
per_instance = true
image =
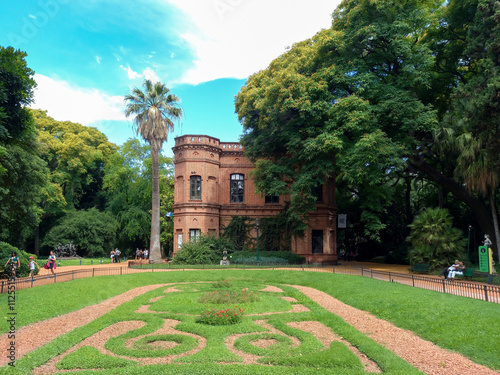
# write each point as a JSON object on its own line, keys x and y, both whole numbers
{"x": 365, "y": 100}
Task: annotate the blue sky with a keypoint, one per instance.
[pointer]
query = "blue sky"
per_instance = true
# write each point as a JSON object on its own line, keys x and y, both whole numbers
{"x": 88, "y": 54}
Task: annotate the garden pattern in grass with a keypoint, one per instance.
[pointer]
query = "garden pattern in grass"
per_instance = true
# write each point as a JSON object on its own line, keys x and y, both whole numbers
{"x": 165, "y": 327}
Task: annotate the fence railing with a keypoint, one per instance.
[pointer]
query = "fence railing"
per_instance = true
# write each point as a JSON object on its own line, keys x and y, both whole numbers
{"x": 485, "y": 292}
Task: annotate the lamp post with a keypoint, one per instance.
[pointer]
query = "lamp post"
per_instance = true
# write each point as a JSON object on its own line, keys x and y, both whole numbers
{"x": 468, "y": 244}
{"x": 257, "y": 230}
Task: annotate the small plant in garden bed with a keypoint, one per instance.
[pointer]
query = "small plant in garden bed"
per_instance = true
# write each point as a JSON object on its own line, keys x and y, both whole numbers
{"x": 220, "y": 317}
{"x": 222, "y": 284}
{"x": 229, "y": 296}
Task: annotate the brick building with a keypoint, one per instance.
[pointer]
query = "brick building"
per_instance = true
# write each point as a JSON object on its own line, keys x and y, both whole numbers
{"x": 212, "y": 185}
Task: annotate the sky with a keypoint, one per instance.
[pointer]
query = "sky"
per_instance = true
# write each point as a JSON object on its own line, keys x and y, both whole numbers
{"x": 88, "y": 54}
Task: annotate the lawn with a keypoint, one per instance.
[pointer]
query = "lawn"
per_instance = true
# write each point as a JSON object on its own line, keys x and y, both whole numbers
{"x": 79, "y": 262}
{"x": 429, "y": 314}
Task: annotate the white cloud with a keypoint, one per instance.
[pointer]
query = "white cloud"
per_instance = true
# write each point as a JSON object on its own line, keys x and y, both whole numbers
{"x": 130, "y": 73}
{"x": 31, "y": 16}
{"x": 98, "y": 59}
{"x": 69, "y": 103}
{"x": 149, "y": 73}
{"x": 235, "y": 38}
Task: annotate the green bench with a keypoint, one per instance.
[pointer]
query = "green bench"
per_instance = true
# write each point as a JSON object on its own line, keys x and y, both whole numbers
{"x": 467, "y": 273}
{"x": 420, "y": 268}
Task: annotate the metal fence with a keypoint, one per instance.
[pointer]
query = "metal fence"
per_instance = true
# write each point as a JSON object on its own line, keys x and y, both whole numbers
{"x": 490, "y": 293}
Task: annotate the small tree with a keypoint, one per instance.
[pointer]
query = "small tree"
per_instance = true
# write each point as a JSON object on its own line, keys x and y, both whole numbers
{"x": 91, "y": 231}
{"x": 434, "y": 240}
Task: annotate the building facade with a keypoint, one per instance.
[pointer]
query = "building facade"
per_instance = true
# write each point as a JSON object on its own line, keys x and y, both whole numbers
{"x": 212, "y": 185}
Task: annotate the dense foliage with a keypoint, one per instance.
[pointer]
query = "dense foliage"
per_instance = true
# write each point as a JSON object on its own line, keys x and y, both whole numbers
{"x": 434, "y": 240}
{"x": 206, "y": 250}
{"x": 6, "y": 251}
{"x": 369, "y": 102}
{"x": 61, "y": 181}
{"x": 92, "y": 232}
{"x": 23, "y": 174}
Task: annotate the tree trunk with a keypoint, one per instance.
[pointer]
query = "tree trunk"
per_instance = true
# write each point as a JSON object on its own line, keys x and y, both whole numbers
{"x": 154, "y": 250}
{"x": 477, "y": 207}
{"x": 494, "y": 215}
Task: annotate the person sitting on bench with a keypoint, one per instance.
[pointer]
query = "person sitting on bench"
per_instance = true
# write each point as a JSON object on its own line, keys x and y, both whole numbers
{"x": 457, "y": 271}
{"x": 445, "y": 271}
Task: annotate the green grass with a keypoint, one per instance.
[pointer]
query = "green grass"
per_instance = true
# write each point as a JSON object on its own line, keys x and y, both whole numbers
{"x": 88, "y": 357}
{"x": 429, "y": 314}
{"x": 76, "y": 262}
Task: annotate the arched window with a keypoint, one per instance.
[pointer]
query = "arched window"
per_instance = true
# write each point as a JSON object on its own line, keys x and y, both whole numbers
{"x": 195, "y": 187}
{"x": 237, "y": 190}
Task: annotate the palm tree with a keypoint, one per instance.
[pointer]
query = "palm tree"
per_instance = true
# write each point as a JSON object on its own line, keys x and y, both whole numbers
{"x": 154, "y": 109}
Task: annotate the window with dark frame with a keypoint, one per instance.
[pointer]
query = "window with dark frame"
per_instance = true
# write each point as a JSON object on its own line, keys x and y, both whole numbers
{"x": 194, "y": 234}
{"x": 237, "y": 191}
{"x": 318, "y": 192}
{"x": 317, "y": 241}
{"x": 195, "y": 187}
{"x": 270, "y": 199}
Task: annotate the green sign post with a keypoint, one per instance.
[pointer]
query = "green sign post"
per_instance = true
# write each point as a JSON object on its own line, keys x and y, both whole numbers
{"x": 483, "y": 259}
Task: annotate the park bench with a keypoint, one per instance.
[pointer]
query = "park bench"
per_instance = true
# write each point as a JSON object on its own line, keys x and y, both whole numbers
{"x": 468, "y": 272}
{"x": 420, "y": 268}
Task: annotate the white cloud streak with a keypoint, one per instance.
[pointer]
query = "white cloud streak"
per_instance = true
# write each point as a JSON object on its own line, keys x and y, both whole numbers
{"x": 66, "y": 102}
{"x": 236, "y": 38}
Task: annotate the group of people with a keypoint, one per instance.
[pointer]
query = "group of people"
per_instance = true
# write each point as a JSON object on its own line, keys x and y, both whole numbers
{"x": 15, "y": 263}
{"x": 456, "y": 268}
{"x": 115, "y": 255}
{"x": 141, "y": 254}
{"x": 346, "y": 255}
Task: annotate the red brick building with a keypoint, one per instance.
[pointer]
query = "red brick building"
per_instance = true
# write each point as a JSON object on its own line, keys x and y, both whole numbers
{"x": 212, "y": 185}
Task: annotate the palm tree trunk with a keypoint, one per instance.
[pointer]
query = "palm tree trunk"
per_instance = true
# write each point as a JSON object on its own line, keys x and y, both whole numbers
{"x": 154, "y": 250}
{"x": 494, "y": 215}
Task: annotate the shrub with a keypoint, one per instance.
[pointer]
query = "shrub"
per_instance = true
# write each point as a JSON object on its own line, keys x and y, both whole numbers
{"x": 5, "y": 253}
{"x": 228, "y": 297}
{"x": 207, "y": 250}
{"x": 218, "y": 317}
{"x": 434, "y": 240}
{"x": 278, "y": 257}
{"x": 222, "y": 284}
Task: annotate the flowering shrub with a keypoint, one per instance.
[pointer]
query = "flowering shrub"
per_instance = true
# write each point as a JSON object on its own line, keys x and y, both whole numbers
{"x": 220, "y": 317}
{"x": 229, "y": 297}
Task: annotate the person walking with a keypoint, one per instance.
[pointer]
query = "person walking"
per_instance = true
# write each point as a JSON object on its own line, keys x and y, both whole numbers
{"x": 117, "y": 255}
{"x": 14, "y": 264}
{"x": 32, "y": 264}
{"x": 52, "y": 262}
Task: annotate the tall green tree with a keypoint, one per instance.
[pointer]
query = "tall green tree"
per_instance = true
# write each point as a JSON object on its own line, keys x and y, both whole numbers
{"x": 154, "y": 111}
{"x": 343, "y": 104}
{"x": 22, "y": 171}
{"x": 128, "y": 188}
{"x": 469, "y": 43}
{"x": 76, "y": 156}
